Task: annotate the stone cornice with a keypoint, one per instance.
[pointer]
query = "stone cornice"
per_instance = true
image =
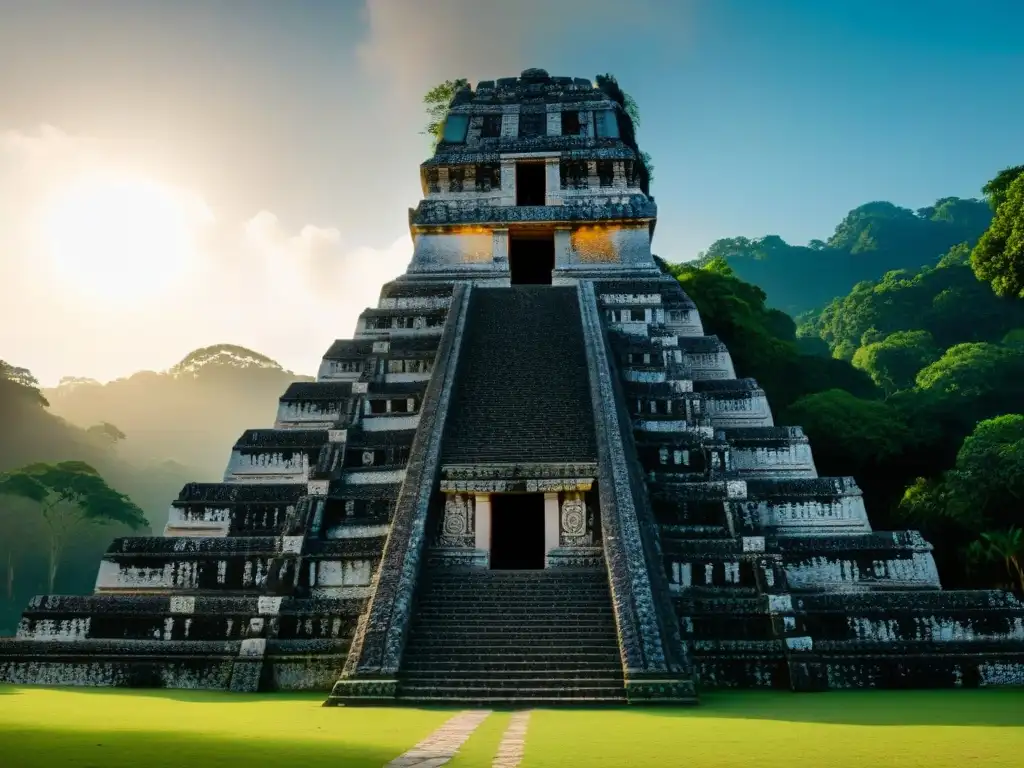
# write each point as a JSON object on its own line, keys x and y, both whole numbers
{"x": 518, "y": 471}
{"x": 544, "y": 485}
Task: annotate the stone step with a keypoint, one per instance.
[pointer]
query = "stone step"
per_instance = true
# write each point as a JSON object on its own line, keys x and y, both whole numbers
{"x": 496, "y": 646}
{"x": 527, "y": 624}
{"x": 527, "y": 632}
{"x": 523, "y": 668}
{"x": 497, "y": 641}
{"x": 524, "y": 628}
{"x": 535, "y": 576}
{"x": 512, "y": 702}
{"x": 493, "y": 610}
{"x": 553, "y": 687}
{"x": 535, "y": 637}
{"x": 487, "y": 691}
{"x": 496, "y": 600}
{"x": 503, "y": 679}
{"x": 530, "y": 623}
{"x": 516, "y": 591}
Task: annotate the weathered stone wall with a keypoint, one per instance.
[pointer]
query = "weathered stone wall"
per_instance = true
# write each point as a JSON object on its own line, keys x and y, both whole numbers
{"x": 597, "y": 245}
{"x": 453, "y": 251}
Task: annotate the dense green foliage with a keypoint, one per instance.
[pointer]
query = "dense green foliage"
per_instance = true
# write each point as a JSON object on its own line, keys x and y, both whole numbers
{"x": 980, "y": 500}
{"x": 893, "y": 362}
{"x": 761, "y": 340}
{"x": 69, "y": 494}
{"x": 946, "y": 301}
{"x": 999, "y": 256}
{"x": 873, "y": 239}
{"x": 996, "y": 189}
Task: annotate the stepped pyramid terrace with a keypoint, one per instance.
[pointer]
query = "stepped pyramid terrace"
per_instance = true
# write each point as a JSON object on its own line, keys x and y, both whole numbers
{"x": 530, "y": 478}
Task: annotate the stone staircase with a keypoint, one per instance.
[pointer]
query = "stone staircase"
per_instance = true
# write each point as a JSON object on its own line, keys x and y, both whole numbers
{"x": 522, "y": 393}
{"x": 513, "y": 638}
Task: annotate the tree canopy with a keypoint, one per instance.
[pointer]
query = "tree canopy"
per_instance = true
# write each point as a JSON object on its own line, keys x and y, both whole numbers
{"x": 872, "y": 239}
{"x": 996, "y": 189}
{"x": 980, "y": 498}
{"x": 893, "y": 362}
{"x": 946, "y": 301}
{"x": 761, "y": 340}
{"x": 19, "y": 383}
{"x": 68, "y": 494}
{"x": 998, "y": 258}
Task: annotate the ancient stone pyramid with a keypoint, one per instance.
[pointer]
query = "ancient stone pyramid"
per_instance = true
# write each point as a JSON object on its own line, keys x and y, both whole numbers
{"x": 531, "y": 477}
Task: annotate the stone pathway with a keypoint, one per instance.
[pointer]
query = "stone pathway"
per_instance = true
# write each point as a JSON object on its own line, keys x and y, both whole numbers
{"x": 513, "y": 743}
{"x": 440, "y": 746}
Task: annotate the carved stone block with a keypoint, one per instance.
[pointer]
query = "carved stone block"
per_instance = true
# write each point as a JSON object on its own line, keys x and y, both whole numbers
{"x": 183, "y": 605}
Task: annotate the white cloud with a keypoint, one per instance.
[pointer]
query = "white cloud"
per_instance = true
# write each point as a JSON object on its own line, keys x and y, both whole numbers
{"x": 285, "y": 291}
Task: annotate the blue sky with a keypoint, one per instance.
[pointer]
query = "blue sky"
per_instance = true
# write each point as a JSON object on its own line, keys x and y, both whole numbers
{"x": 762, "y": 117}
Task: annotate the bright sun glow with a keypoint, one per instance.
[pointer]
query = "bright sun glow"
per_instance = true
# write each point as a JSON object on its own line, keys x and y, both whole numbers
{"x": 124, "y": 239}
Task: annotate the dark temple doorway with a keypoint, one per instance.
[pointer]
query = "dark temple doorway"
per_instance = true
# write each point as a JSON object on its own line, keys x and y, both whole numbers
{"x": 531, "y": 258}
{"x": 530, "y": 183}
{"x": 517, "y": 531}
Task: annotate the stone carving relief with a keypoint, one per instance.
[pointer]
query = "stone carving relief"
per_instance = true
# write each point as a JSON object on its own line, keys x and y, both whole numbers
{"x": 576, "y": 530}
{"x": 457, "y": 524}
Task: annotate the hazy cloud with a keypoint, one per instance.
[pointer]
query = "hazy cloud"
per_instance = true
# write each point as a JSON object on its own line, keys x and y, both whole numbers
{"x": 287, "y": 292}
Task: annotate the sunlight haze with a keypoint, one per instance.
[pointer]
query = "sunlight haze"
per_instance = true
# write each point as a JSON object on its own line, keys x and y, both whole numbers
{"x": 175, "y": 175}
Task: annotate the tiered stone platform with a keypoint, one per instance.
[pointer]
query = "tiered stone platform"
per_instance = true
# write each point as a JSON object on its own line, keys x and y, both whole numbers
{"x": 778, "y": 579}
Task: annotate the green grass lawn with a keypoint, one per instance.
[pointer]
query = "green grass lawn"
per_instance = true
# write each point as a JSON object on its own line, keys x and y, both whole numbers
{"x": 111, "y": 729}
{"x": 170, "y": 729}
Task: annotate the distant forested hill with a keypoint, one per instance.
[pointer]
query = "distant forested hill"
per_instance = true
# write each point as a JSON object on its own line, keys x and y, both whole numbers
{"x": 190, "y": 414}
{"x": 147, "y": 435}
{"x": 873, "y": 239}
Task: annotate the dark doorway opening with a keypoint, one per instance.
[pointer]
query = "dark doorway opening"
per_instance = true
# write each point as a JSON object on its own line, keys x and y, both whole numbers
{"x": 517, "y": 531}
{"x": 530, "y": 184}
{"x": 531, "y": 258}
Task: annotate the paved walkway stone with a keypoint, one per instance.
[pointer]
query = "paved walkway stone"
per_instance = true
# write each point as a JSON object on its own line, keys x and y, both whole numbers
{"x": 513, "y": 743}
{"x": 440, "y": 746}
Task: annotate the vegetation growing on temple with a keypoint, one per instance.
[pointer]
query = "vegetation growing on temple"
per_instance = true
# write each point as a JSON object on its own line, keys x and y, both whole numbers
{"x": 437, "y": 101}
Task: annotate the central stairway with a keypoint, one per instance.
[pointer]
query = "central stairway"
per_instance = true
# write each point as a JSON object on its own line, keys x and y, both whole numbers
{"x": 513, "y": 638}
{"x": 522, "y": 393}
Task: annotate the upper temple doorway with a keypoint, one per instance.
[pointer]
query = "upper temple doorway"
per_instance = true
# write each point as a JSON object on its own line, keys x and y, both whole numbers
{"x": 517, "y": 531}
{"x": 531, "y": 258}
{"x": 530, "y": 183}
